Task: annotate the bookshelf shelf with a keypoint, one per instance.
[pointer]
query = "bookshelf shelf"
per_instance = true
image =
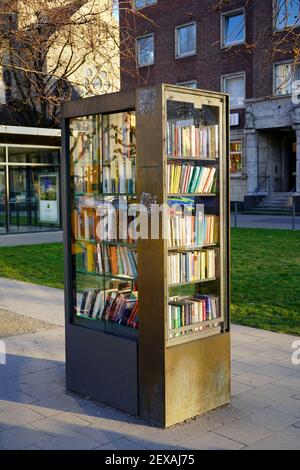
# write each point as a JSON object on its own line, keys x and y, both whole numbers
{"x": 172, "y": 195}
{"x": 193, "y": 248}
{"x": 189, "y": 283}
{"x": 130, "y": 195}
{"x": 113, "y": 243}
{"x": 140, "y": 340}
{"x": 133, "y": 246}
{"x": 107, "y": 275}
{"x": 214, "y": 161}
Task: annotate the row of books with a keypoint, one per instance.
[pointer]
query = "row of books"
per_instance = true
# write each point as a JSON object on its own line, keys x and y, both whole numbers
{"x": 116, "y": 260}
{"x": 119, "y": 176}
{"x": 120, "y": 260}
{"x": 113, "y": 306}
{"x": 193, "y": 230}
{"x": 192, "y": 266}
{"x": 86, "y": 221}
{"x": 192, "y": 310}
{"x": 185, "y": 229}
{"x": 192, "y": 141}
{"x": 190, "y": 179}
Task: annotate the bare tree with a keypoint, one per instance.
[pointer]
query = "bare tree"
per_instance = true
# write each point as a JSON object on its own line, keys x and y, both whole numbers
{"x": 53, "y": 50}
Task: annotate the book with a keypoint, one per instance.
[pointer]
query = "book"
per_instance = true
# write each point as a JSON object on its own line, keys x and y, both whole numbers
{"x": 86, "y": 221}
{"x": 89, "y": 257}
{"x": 184, "y": 139}
{"x": 192, "y": 266}
{"x": 120, "y": 260}
{"x": 119, "y": 176}
{"x": 188, "y": 179}
{"x": 114, "y": 305}
{"x": 192, "y": 311}
{"x": 189, "y": 229}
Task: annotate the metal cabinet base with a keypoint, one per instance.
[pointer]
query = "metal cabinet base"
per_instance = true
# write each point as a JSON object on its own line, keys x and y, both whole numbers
{"x": 197, "y": 378}
{"x": 94, "y": 360}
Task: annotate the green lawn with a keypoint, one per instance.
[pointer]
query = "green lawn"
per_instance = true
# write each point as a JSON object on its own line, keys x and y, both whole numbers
{"x": 38, "y": 264}
{"x": 265, "y": 275}
{"x": 266, "y": 279}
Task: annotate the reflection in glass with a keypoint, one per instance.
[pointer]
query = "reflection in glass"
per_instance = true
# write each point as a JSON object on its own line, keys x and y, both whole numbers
{"x": 2, "y": 201}
{"x": 33, "y": 155}
{"x": 234, "y": 28}
{"x": 186, "y": 39}
{"x": 146, "y": 50}
{"x": 102, "y": 156}
{"x": 33, "y": 198}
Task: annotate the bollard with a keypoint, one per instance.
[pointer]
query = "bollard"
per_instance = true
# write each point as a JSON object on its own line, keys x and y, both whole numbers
{"x": 235, "y": 214}
{"x": 294, "y": 216}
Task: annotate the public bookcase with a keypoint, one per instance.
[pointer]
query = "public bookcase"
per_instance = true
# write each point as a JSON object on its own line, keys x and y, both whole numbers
{"x": 146, "y": 236}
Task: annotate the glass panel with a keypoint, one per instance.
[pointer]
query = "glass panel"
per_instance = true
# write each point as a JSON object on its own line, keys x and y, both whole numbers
{"x": 119, "y": 152}
{"x": 2, "y": 201}
{"x": 285, "y": 76}
{"x": 2, "y": 154}
{"x": 191, "y": 84}
{"x": 33, "y": 199}
{"x": 193, "y": 150}
{"x": 186, "y": 37}
{"x": 236, "y": 157}
{"x": 287, "y": 13}
{"x": 103, "y": 152}
{"x": 235, "y": 86}
{"x": 144, "y": 3}
{"x": 234, "y": 28}
{"x": 33, "y": 155}
{"x": 146, "y": 50}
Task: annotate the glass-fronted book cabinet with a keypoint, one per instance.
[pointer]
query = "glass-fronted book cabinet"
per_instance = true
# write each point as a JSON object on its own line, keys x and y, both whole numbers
{"x": 146, "y": 227}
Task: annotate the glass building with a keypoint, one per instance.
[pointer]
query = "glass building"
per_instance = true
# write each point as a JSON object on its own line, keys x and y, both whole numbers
{"x": 29, "y": 184}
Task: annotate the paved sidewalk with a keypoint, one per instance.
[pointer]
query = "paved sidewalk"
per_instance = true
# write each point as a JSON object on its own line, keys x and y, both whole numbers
{"x": 31, "y": 238}
{"x": 43, "y": 303}
{"x": 282, "y": 222}
{"x": 36, "y": 412}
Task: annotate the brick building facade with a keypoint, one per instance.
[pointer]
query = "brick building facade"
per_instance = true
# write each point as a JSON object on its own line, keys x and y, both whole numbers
{"x": 245, "y": 48}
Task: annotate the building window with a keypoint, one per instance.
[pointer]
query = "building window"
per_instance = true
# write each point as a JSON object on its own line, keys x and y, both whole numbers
{"x": 286, "y": 13}
{"x": 233, "y": 28}
{"x": 144, "y": 3}
{"x": 188, "y": 84}
{"x": 285, "y": 75}
{"x": 235, "y": 86}
{"x": 236, "y": 157}
{"x": 145, "y": 50}
{"x": 2, "y": 87}
{"x": 185, "y": 40}
{"x": 2, "y": 92}
{"x": 95, "y": 82}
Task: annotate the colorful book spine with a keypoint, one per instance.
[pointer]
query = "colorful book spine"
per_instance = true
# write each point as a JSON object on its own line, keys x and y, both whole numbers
{"x": 84, "y": 223}
{"x": 190, "y": 179}
{"x": 111, "y": 306}
{"x": 119, "y": 176}
{"x": 192, "y": 266}
{"x": 196, "y": 310}
{"x": 191, "y": 141}
{"x": 190, "y": 230}
{"x": 120, "y": 261}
